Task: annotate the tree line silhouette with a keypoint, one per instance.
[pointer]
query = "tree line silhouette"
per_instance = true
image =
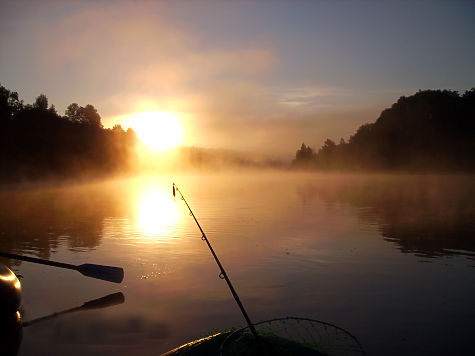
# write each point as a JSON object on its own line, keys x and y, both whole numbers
{"x": 37, "y": 143}
{"x": 432, "y": 130}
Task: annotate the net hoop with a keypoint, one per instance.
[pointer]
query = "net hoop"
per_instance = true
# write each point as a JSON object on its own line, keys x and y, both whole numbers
{"x": 335, "y": 341}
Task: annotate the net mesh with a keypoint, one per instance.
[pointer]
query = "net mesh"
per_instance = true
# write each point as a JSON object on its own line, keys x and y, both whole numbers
{"x": 292, "y": 336}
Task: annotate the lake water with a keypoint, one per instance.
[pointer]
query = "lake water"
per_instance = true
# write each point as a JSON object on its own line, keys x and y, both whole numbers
{"x": 389, "y": 258}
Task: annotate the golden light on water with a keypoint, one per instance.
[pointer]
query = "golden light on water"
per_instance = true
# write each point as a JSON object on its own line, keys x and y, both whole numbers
{"x": 158, "y": 130}
{"x": 157, "y": 212}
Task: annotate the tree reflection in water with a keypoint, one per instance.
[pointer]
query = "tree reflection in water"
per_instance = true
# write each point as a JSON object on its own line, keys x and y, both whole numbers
{"x": 38, "y": 220}
{"x": 430, "y": 216}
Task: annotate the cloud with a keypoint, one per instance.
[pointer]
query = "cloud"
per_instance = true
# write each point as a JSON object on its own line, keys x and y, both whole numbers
{"x": 129, "y": 57}
{"x": 306, "y": 97}
{"x": 117, "y": 35}
{"x": 130, "y": 51}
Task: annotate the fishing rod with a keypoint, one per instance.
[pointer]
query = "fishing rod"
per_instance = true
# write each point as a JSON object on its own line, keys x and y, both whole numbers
{"x": 223, "y": 274}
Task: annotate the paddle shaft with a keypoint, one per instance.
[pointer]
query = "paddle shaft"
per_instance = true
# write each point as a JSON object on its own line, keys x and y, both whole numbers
{"x": 48, "y": 317}
{"x": 38, "y": 260}
{"x": 223, "y": 273}
{"x": 106, "y": 273}
{"x": 104, "y": 302}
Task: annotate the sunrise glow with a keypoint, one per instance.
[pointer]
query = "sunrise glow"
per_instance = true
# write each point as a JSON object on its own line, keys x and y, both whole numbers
{"x": 158, "y": 130}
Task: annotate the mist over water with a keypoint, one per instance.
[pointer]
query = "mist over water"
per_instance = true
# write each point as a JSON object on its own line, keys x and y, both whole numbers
{"x": 388, "y": 257}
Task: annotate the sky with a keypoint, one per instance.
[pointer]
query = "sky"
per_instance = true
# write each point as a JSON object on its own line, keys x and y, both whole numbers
{"x": 257, "y": 76}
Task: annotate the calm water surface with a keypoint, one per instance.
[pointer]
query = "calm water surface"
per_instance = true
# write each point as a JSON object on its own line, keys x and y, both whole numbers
{"x": 389, "y": 258}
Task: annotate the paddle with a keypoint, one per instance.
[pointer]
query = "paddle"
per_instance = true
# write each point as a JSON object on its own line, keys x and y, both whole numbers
{"x": 106, "y": 273}
{"x": 104, "y": 302}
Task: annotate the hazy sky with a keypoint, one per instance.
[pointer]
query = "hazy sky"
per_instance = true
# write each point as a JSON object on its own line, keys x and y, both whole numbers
{"x": 260, "y": 76}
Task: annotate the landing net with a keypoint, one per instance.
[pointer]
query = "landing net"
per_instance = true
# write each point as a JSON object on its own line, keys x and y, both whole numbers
{"x": 292, "y": 336}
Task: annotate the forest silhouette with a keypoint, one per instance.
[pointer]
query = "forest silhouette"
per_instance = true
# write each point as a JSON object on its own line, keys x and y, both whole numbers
{"x": 430, "y": 131}
{"x": 38, "y": 143}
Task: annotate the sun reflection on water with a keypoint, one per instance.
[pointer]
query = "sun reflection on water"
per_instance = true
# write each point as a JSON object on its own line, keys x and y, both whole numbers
{"x": 157, "y": 213}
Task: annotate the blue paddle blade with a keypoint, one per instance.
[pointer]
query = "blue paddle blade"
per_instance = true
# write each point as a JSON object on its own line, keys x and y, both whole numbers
{"x": 106, "y": 273}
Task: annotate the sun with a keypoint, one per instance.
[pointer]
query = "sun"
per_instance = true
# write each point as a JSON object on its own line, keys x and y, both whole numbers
{"x": 158, "y": 130}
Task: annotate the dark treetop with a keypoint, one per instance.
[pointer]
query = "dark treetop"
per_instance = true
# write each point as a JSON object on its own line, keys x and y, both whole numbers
{"x": 430, "y": 131}
{"x": 37, "y": 143}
